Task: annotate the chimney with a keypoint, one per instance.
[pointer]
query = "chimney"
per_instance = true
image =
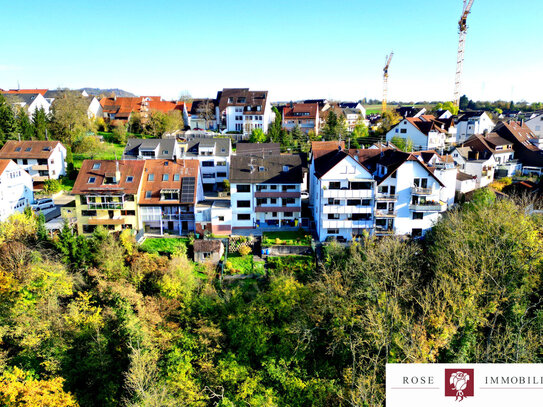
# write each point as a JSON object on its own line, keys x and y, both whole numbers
{"x": 117, "y": 173}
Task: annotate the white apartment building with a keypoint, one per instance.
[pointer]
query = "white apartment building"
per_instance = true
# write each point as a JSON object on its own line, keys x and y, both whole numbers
{"x": 41, "y": 159}
{"x": 15, "y": 189}
{"x": 381, "y": 191}
{"x": 214, "y": 156}
{"x": 536, "y": 126}
{"x": 27, "y": 99}
{"x": 424, "y": 132}
{"x": 471, "y": 123}
{"x": 474, "y": 163}
{"x": 242, "y": 110}
{"x": 151, "y": 149}
{"x": 266, "y": 192}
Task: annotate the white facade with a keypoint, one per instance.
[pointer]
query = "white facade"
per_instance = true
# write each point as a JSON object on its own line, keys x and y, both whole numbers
{"x": 265, "y": 205}
{"x": 244, "y": 121}
{"x": 15, "y": 189}
{"x": 46, "y": 168}
{"x": 95, "y": 109}
{"x": 467, "y": 185}
{"x": 474, "y": 125}
{"x": 482, "y": 169}
{"x": 214, "y": 162}
{"x": 536, "y": 125}
{"x": 421, "y": 141}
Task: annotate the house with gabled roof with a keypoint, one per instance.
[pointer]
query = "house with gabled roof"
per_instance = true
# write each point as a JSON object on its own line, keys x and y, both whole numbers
{"x": 470, "y": 123}
{"x": 150, "y": 149}
{"x": 42, "y": 159}
{"x": 203, "y": 114}
{"x": 303, "y": 115}
{"x": 29, "y": 101}
{"x": 242, "y": 110}
{"x": 425, "y": 132}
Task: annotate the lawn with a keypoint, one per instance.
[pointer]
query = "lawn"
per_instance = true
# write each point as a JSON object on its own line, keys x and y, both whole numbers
{"x": 66, "y": 183}
{"x": 301, "y": 266}
{"x": 165, "y": 246}
{"x": 295, "y": 238}
{"x": 108, "y": 151}
{"x": 237, "y": 264}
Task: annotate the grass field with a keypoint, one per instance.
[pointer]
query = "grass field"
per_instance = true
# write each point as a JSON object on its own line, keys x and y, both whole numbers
{"x": 237, "y": 264}
{"x": 165, "y": 245}
{"x": 108, "y": 151}
{"x": 295, "y": 238}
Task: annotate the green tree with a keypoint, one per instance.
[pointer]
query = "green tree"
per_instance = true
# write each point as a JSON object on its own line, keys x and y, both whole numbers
{"x": 8, "y": 125}
{"x": 24, "y": 125}
{"x": 274, "y": 131}
{"x": 389, "y": 119}
{"x": 360, "y": 131}
{"x": 257, "y": 136}
{"x": 69, "y": 119}
{"x": 119, "y": 134}
{"x": 463, "y": 103}
{"x": 330, "y": 130}
{"x": 297, "y": 135}
{"x": 402, "y": 143}
{"x": 41, "y": 122}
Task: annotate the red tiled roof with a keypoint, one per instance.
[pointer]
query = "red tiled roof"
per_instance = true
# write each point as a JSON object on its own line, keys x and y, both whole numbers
{"x": 3, "y": 165}
{"x": 127, "y": 168}
{"x": 38, "y": 149}
{"x": 294, "y": 111}
{"x": 425, "y": 126}
{"x": 16, "y": 91}
{"x": 185, "y": 168}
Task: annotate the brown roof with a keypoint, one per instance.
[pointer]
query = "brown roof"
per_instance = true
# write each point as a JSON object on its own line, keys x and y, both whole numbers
{"x": 242, "y": 97}
{"x": 127, "y": 168}
{"x": 517, "y": 133}
{"x": 319, "y": 148}
{"x": 3, "y": 165}
{"x": 462, "y": 176}
{"x": 185, "y": 168}
{"x": 18, "y": 91}
{"x": 426, "y": 125}
{"x": 298, "y": 110}
{"x": 14, "y": 149}
{"x": 211, "y": 246}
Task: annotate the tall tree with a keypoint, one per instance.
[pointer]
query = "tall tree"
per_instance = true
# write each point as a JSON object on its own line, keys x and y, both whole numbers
{"x": 463, "y": 104}
{"x": 257, "y": 136}
{"x": 8, "y": 124}
{"x": 69, "y": 118}
{"x": 24, "y": 126}
{"x": 205, "y": 112}
{"x": 274, "y": 131}
{"x": 41, "y": 122}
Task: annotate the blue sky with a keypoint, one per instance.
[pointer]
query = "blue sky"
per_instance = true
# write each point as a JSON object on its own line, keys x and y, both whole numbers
{"x": 295, "y": 49}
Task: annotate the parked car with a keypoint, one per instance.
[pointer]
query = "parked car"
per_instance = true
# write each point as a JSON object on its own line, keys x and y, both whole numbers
{"x": 305, "y": 195}
{"x": 42, "y": 204}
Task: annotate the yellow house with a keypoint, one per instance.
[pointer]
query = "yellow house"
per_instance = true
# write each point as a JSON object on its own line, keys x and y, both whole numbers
{"x": 107, "y": 194}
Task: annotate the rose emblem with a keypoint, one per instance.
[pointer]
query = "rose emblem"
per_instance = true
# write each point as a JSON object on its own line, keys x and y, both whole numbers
{"x": 459, "y": 382}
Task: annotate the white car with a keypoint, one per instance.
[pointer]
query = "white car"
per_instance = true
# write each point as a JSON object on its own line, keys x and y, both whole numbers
{"x": 42, "y": 204}
{"x": 304, "y": 195}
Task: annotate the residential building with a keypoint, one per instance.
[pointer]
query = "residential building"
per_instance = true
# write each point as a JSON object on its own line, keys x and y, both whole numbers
{"x": 266, "y": 192}
{"x": 303, "y": 115}
{"x": 42, "y": 159}
{"x": 15, "y": 189}
{"x": 169, "y": 193}
{"x": 425, "y": 132}
{"x": 151, "y": 149}
{"x": 203, "y": 115}
{"x": 242, "y": 110}
{"x": 107, "y": 194}
{"x": 214, "y": 157}
{"x": 258, "y": 149}
{"x": 214, "y": 217}
{"x": 410, "y": 111}
{"x": 30, "y": 102}
{"x": 535, "y": 124}
{"x": 475, "y": 163}
{"x": 465, "y": 182}
{"x": 208, "y": 251}
{"x": 442, "y": 114}
{"x": 357, "y": 106}
{"x": 471, "y": 123}
{"x": 119, "y": 109}
{"x": 520, "y": 135}
{"x": 352, "y": 117}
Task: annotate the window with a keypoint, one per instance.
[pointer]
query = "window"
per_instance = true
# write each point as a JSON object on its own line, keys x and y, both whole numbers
{"x": 176, "y": 177}
{"x": 403, "y": 131}
{"x": 288, "y": 201}
{"x": 18, "y": 149}
{"x": 221, "y": 174}
{"x": 420, "y": 182}
{"x": 230, "y": 100}
{"x": 273, "y": 200}
{"x": 360, "y": 185}
{"x": 274, "y": 214}
{"x": 221, "y": 164}
{"x": 91, "y": 180}
{"x": 208, "y": 164}
{"x": 285, "y": 168}
{"x": 416, "y": 232}
{"x": 165, "y": 177}
{"x": 128, "y": 213}
{"x": 273, "y": 187}
{"x": 288, "y": 214}
{"x": 244, "y": 216}
{"x": 164, "y": 152}
{"x": 96, "y": 166}
{"x": 381, "y": 205}
{"x": 366, "y": 202}
{"x": 261, "y": 201}
{"x": 333, "y": 231}
{"x": 353, "y": 202}
{"x": 129, "y": 179}
{"x": 151, "y": 177}
{"x": 334, "y": 185}
{"x": 28, "y": 149}
{"x": 88, "y": 213}
{"x": 418, "y": 215}
{"x": 244, "y": 204}
{"x": 88, "y": 228}
{"x": 129, "y": 198}
{"x": 333, "y": 216}
{"x": 147, "y": 194}
{"x": 221, "y": 218}
{"x": 244, "y": 188}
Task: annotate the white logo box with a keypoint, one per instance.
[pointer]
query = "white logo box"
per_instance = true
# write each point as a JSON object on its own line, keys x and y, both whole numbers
{"x": 494, "y": 385}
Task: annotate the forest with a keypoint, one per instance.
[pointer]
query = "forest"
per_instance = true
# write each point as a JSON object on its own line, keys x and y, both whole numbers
{"x": 99, "y": 322}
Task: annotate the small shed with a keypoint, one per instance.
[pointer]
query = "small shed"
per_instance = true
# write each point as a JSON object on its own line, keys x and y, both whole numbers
{"x": 208, "y": 251}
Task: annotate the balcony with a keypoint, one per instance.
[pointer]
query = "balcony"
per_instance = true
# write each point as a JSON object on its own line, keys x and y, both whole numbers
{"x": 421, "y": 191}
{"x": 384, "y": 232}
{"x": 39, "y": 167}
{"x": 385, "y": 214}
{"x": 278, "y": 208}
{"x": 346, "y": 209}
{"x": 106, "y": 221}
{"x": 386, "y": 197}
{"x": 428, "y": 207}
{"x": 347, "y": 224}
{"x": 347, "y": 193}
{"x": 277, "y": 194}
{"x": 105, "y": 205}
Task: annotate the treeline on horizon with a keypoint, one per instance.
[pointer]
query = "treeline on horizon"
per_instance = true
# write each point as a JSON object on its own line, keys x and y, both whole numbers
{"x": 98, "y": 322}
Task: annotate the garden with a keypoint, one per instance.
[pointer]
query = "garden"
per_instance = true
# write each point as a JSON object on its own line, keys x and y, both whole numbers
{"x": 290, "y": 238}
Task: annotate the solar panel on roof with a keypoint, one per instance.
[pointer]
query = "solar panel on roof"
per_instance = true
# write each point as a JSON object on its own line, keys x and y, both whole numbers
{"x": 187, "y": 189}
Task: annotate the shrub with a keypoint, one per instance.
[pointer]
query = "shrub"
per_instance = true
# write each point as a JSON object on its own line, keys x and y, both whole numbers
{"x": 244, "y": 250}
{"x": 278, "y": 241}
{"x": 101, "y": 124}
{"x": 119, "y": 134}
{"x": 51, "y": 186}
{"x": 228, "y": 265}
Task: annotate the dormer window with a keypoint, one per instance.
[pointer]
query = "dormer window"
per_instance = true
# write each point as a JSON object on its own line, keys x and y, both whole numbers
{"x": 129, "y": 179}
{"x": 28, "y": 149}
{"x": 165, "y": 177}
{"x": 285, "y": 168}
{"x": 46, "y": 149}
{"x": 108, "y": 180}
{"x": 242, "y": 100}
{"x": 248, "y": 108}
{"x": 258, "y": 109}
{"x": 164, "y": 152}
{"x": 260, "y": 169}
{"x": 230, "y": 100}
{"x": 151, "y": 177}
{"x": 96, "y": 166}
{"x": 176, "y": 177}
{"x": 91, "y": 180}
{"x": 18, "y": 149}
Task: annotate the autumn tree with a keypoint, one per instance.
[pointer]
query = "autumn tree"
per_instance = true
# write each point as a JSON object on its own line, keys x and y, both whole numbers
{"x": 69, "y": 119}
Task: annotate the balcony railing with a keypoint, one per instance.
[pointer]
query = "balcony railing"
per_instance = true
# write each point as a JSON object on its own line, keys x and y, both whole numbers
{"x": 421, "y": 191}
{"x": 105, "y": 205}
{"x": 106, "y": 221}
{"x": 384, "y": 232}
{"x": 347, "y": 224}
{"x": 386, "y": 197}
{"x": 427, "y": 207}
{"x": 346, "y": 209}
{"x": 385, "y": 214}
{"x": 347, "y": 193}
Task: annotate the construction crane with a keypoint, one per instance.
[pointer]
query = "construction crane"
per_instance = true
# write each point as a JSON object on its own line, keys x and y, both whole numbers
{"x": 385, "y": 80}
{"x": 462, "y": 30}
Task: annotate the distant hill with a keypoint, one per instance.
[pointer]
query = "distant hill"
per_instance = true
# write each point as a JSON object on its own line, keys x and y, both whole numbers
{"x": 107, "y": 92}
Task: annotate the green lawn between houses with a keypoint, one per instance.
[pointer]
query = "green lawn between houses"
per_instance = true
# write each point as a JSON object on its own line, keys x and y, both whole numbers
{"x": 238, "y": 264}
{"x": 294, "y": 238}
{"x": 108, "y": 152}
{"x": 165, "y": 246}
